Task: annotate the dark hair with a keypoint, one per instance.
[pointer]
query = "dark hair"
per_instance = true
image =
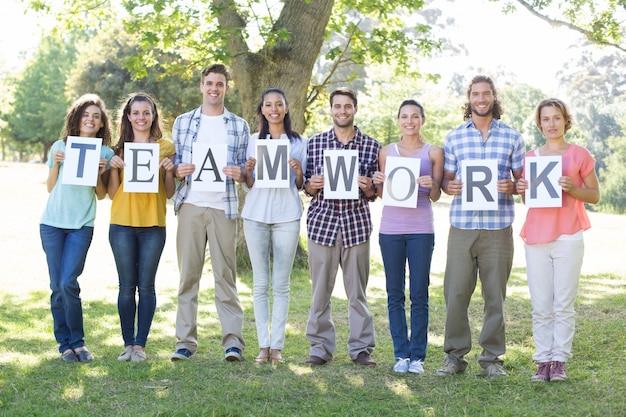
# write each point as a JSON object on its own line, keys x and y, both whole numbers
{"x": 411, "y": 102}
{"x": 75, "y": 114}
{"x": 125, "y": 127}
{"x": 497, "y": 110}
{"x": 560, "y": 105}
{"x": 343, "y": 91}
{"x": 216, "y": 68}
{"x": 264, "y": 128}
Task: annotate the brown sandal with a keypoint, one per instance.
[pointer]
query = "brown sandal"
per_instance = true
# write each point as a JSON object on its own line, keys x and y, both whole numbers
{"x": 276, "y": 356}
{"x": 263, "y": 356}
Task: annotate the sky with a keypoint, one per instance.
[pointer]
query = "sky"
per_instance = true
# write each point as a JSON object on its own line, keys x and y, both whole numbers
{"x": 518, "y": 43}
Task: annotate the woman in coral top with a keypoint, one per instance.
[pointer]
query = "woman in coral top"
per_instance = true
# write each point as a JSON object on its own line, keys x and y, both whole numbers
{"x": 137, "y": 231}
{"x": 554, "y": 243}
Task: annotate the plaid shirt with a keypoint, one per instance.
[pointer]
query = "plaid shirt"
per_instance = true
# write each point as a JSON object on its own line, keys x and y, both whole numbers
{"x": 326, "y": 217}
{"x": 503, "y": 144}
{"x": 185, "y": 133}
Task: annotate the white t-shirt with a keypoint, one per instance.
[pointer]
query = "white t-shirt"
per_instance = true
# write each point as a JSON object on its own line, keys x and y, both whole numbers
{"x": 212, "y": 129}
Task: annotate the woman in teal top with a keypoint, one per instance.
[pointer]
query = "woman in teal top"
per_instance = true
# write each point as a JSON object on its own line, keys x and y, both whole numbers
{"x": 66, "y": 226}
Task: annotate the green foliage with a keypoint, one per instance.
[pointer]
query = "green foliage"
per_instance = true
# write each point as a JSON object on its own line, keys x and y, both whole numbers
{"x": 519, "y": 102}
{"x": 104, "y": 67}
{"x": 39, "y": 102}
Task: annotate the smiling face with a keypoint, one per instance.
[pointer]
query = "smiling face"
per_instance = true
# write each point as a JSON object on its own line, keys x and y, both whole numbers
{"x": 214, "y": 88}
{"x": 410, "y": 120}
{"x": 91, "y": 121}
{"x": 141, "y": 116}
{"x": 274, "y": 108}
{"x": 343, "y": 110}
{"x": 552, "y": 122}
{"x": 481, "y": 99}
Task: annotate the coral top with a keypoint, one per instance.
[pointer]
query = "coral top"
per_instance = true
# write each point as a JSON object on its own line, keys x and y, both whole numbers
{"x": 545, "y": 225}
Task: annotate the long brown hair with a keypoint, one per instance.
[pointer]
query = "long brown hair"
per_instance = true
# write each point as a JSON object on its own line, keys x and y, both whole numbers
{"x": 126, "y": 129}
{"x": 74, "y": 117}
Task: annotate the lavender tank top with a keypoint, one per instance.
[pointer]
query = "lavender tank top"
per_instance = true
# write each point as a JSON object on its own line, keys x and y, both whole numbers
{"x": 404, "y": 220}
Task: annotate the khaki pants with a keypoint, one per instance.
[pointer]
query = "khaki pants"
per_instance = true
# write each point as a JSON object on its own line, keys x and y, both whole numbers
{"x": 487, "y": 254}
{"x": 196, "y": 227}
{"x": 323, "y": 265}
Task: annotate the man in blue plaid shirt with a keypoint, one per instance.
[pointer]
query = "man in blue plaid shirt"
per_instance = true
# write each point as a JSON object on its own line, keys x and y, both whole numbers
{"x": 209, "y": 217}
{"x": 338, "y": 234}
{"x": 480, "y": 242}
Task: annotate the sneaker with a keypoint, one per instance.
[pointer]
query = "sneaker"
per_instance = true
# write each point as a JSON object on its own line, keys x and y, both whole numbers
{"x": 364, "y": 359}
{"x": 448, "y": 369}
{"x": 233, "y": 354}
{"x": 402, "y": 365}
{"x": 84, "y": 355}
{"x": 543, "y": 372}
{"x": 557, "y": 372}
{"x": 181, "y": 354}
{"x": 138, "y": 356}
{"x": 416, "y": 367}
{"x": 125, "y": 356}
{"x": 494, "y": 370}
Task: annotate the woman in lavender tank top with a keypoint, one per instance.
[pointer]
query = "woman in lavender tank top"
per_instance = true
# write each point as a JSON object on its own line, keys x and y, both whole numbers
{"x": 407, "y": 233}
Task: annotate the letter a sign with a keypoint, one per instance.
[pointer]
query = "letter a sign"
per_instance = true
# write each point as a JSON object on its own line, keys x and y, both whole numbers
{"x": 341, "y": 174}
{"x": 209, "y": 159}
{"x": 542, "y": 174}
{"x": 480, "y": 185}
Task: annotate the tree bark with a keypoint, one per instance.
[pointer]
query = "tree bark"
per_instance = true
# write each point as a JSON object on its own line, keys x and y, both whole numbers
{"x": 286, "y": 64}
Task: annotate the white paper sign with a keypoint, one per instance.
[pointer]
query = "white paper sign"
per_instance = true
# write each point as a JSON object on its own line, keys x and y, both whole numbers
{"x": 82, "y": 159}
{"x": 480, "y": 184}
{"x": 272, "y": 163}
{"x": 542, "y": 174}
{"x": 400, "y": 188}
{"x": 341, "y": 174}
{"x": 141, "y": 173}
{"x": 209, "y": 159}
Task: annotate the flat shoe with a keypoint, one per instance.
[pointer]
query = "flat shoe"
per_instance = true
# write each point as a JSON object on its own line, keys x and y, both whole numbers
{"x": 84, "y": 355}
{"x": 315, "y": 361}
{"x": 138, "y": 356}
{"x": 126, "y": 355}
{"x": 69, "y": 357}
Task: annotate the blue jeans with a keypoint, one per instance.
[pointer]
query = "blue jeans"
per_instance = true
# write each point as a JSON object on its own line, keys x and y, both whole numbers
{"x": 66, "y": 251}
{"x": 137, "y": 251}
{"x": 395, "y": 250}
{"x": 283, "y": 239}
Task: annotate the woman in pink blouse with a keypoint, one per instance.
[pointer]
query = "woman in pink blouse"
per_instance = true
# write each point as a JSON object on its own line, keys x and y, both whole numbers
{"x": 554, "y": 243}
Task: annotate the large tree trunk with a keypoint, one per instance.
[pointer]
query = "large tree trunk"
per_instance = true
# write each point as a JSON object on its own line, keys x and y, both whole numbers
{"x": 286, "y": 64}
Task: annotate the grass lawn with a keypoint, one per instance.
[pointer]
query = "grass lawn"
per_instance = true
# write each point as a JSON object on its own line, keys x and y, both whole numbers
{"x": 35, "y": 382}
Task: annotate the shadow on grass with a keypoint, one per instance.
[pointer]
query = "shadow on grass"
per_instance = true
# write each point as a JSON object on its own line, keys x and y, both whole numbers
{"x": 35, "y": 382}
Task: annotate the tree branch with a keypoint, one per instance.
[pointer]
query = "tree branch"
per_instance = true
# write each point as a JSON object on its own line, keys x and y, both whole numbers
{"x": 556, "y": 22}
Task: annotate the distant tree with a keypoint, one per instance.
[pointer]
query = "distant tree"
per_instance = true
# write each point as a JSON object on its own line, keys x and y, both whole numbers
{"x": 104, "y": 67}
{"x": 39, "y": 102}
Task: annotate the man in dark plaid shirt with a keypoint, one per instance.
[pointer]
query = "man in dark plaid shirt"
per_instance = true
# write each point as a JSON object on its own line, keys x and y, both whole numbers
{"x": 338, "y": 234}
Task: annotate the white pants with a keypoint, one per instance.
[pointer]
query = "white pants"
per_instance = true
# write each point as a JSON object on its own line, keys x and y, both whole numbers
{"x": 553, "y": 271}
{"x": 283, "y": 239}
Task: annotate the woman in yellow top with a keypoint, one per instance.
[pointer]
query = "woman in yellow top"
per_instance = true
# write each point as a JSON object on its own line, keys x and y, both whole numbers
{"x": 137, "y": 231}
